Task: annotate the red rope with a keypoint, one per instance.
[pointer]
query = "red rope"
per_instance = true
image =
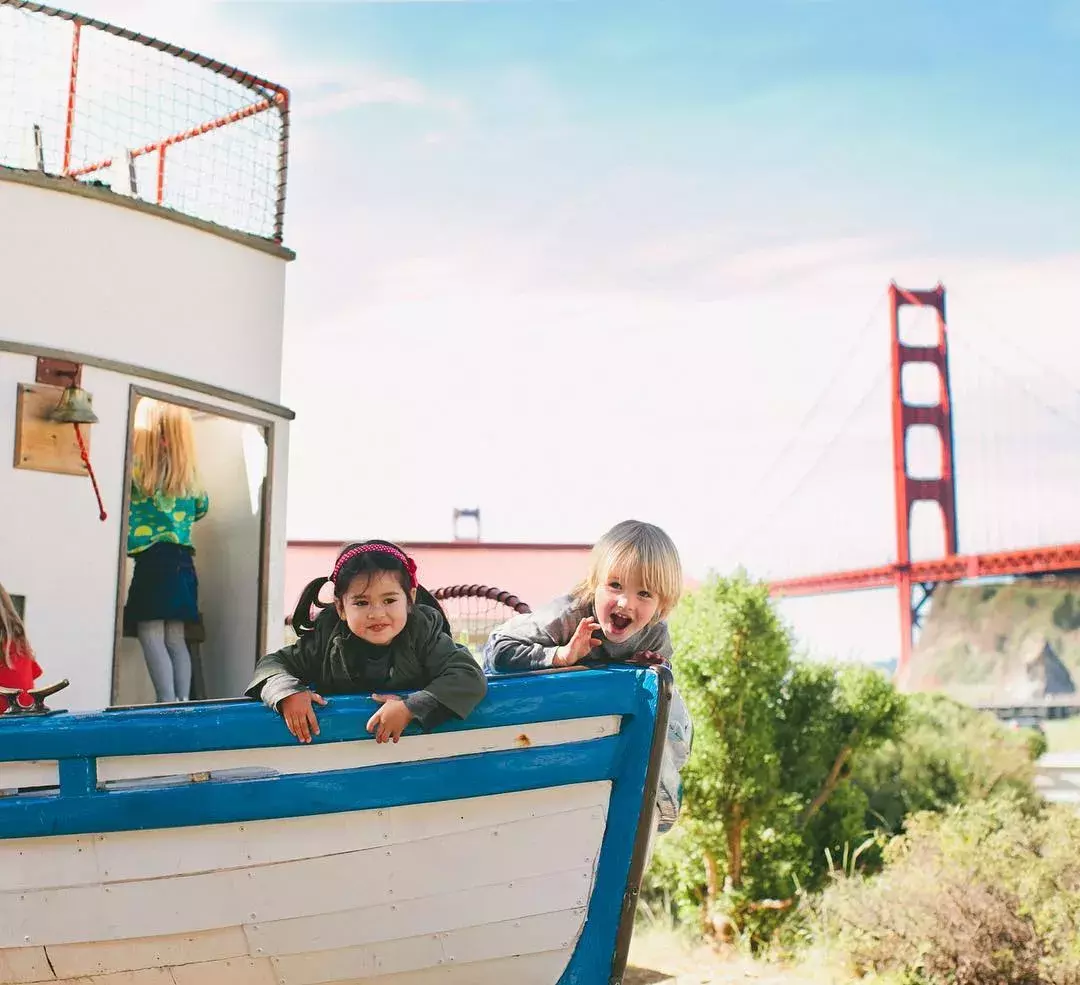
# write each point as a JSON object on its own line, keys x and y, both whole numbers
{"x": 89, "y": 468}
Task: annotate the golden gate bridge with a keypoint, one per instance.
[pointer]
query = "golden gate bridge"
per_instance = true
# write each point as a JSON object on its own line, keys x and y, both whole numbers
{"x": 916, "y": 580}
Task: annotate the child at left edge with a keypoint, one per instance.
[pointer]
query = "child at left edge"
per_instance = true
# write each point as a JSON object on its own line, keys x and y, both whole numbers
{"x": 376, "y": 636}
{"x": 18, "y": 668}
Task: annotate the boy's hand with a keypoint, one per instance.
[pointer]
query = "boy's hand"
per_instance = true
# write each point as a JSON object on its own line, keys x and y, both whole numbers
{"x": 648, "y": 658}
{"x": 299, "y": 715}
{"x": 390, "y": 720}
{"x": 581, "y": 644}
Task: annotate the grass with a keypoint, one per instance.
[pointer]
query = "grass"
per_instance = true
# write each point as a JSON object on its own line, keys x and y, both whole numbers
{"x": 662, "y": 956}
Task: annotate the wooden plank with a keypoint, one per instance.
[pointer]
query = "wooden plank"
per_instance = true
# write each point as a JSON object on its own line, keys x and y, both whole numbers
{"x": 152, "y": 976}
{"x": 134, "y": 954}
{"x": 357, "y": 754}
{"x": 41, "y": 444}
{"x": 29, "y": 773}
{"x": 246, "y": 724}
{"x": 429, "y": 914}
{"x": 544, "y": 968}
{"x": 63, "y": 861}
{"x": 234, "y": 971}
{"x": 22, "y": 965}
{"x": 544, "y": 932}
{"x": 214, "y": 900}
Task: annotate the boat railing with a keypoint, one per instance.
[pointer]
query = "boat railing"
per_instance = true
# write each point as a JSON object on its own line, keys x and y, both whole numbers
{"x": 81, "y": 753}
{"x": 92, "y": 102}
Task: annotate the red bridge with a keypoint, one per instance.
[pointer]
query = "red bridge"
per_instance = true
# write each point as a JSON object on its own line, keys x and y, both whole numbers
{"x": 915, "y": 580}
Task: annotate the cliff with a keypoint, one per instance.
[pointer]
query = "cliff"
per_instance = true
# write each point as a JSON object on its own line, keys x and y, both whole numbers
{"x": 1000, "y": 643}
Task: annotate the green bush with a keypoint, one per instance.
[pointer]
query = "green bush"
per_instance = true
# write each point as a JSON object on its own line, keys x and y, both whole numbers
{"x": 767, "y": 788}
{"x": 800, "y": 770}
{"x": 987, "y": 893}
{"x": 947, "y": 754}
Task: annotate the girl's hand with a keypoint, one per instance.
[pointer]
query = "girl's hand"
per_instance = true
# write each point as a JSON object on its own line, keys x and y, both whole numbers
{"x": 581, "y": 644}
{"x": 648, "y": 658}
{"x": 390, "y": 720}
{"x": 299, "y": 715}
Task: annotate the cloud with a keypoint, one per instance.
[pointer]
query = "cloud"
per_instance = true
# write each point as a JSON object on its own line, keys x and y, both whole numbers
{"x": 323, "y": 89}
{"x": 761, "y": 266}
{"x": 320, "y": 88}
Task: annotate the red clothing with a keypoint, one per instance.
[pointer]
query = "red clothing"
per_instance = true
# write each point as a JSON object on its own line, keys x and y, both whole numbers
{"x": 22, "y": 675}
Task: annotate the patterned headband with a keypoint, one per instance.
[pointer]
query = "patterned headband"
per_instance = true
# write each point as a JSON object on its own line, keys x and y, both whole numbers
{"x": 408, "y": 562}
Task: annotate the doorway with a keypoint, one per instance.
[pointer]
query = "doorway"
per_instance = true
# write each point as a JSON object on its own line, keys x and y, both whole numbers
{"x": 233, "y": 454}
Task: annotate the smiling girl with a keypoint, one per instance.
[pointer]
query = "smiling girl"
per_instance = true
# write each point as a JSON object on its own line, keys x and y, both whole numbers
{"x": 375, "y": 636}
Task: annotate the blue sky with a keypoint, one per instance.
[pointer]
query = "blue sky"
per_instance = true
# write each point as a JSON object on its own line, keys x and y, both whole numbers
{"x": 582, "y": 260}
{"x": 884, "y": 111}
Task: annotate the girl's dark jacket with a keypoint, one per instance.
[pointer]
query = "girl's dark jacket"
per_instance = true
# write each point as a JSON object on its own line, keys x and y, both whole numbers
{"x": 445, "y": 679}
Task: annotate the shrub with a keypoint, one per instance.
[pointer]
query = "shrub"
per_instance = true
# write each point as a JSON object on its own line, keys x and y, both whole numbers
{"x": 985, "y": 894}
{"x": 947, "y": 754}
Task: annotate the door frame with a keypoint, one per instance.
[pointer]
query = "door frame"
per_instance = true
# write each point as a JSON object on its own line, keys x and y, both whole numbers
{"x": 268, "y": 427}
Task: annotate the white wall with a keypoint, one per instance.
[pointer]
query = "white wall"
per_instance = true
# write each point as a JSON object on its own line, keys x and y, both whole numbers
{"x": 99, "y": 278}
{"x": 56, "y": 552}
{"x": 107, "y": 280}
{"x": 227, "y": 560}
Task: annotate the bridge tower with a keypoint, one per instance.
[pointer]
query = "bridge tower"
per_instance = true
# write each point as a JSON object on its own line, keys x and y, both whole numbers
{"x": 909, "y": 489}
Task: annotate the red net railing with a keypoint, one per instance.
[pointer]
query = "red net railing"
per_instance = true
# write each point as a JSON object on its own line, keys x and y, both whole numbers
{"x": 97, "y": 103}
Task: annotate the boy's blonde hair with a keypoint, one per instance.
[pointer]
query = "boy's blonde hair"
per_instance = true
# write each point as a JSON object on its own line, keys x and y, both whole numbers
{"x": 642, "y": 548}
{"x": 12, "y": 630}
{"x": 165, "y": 452}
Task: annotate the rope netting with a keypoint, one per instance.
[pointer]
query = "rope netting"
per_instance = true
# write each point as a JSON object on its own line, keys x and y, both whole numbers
{"x": 475, "y": 610}
{"x": 97, "y": 103}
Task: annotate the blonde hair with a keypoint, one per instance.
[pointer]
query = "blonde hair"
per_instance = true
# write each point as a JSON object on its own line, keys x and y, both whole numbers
{"x": 165, "y": 452}
{"x": 645, "y": 550}
{"x": 12, "y": 630}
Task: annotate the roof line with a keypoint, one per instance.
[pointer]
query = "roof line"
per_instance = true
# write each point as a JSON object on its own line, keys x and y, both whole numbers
{"x": 460, "y": 545}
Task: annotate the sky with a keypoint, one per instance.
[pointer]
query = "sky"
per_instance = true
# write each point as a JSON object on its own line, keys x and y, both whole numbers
{"x": 576, "y": 261}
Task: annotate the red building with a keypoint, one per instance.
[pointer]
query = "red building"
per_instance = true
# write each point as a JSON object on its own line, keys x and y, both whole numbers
{"x": 535, "y": 573}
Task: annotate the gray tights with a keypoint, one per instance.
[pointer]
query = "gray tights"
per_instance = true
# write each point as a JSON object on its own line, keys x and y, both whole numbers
{"x": 167, "y": 658}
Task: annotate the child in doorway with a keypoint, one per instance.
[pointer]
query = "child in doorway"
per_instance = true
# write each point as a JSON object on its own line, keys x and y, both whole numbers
{"x": 18, "y": 668}
{"x": 375, "y": 636}
{"x": 616, "y": 614}
{"x": 167, "y": 499}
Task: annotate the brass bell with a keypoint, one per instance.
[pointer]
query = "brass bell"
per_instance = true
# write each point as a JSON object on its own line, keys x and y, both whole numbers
{"x": 75, "y": 407}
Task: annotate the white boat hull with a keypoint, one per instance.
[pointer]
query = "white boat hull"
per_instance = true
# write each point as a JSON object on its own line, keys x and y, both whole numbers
{"x": 475, "y": 889}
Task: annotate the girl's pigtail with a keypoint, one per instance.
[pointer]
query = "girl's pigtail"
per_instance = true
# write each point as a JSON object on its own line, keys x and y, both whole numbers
{"x": 302, "y": 620}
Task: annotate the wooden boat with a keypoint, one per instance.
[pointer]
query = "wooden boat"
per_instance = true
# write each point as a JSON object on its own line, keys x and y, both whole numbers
{"x": 199, "y": 843}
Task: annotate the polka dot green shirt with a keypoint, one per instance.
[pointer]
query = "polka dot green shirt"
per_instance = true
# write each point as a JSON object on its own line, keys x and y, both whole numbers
{"x": 160, "y": 518}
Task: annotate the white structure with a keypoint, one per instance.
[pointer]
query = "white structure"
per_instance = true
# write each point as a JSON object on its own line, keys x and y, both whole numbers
{"x": 148, "y": 302}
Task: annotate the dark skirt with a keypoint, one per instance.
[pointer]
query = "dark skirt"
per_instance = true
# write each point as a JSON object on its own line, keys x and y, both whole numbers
{"x": 164, "y": 586}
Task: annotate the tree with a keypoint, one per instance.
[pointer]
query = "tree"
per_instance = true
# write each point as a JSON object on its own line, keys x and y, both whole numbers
{"x": 829, "y": 716}
{"x": 731, "y": 655}
{"x": 774, "y": 740}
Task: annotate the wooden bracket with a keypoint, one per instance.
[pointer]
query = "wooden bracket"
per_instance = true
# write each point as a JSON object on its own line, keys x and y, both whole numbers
{"x": 42, "y": 444}
{"x": 58, "y": 372}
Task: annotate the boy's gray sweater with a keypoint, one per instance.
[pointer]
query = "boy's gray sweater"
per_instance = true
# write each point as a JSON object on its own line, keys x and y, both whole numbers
{"x": 529, "y": 641}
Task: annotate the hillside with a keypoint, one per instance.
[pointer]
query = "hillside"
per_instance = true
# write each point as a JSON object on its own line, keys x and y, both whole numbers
{"x": 987, "y": 643}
